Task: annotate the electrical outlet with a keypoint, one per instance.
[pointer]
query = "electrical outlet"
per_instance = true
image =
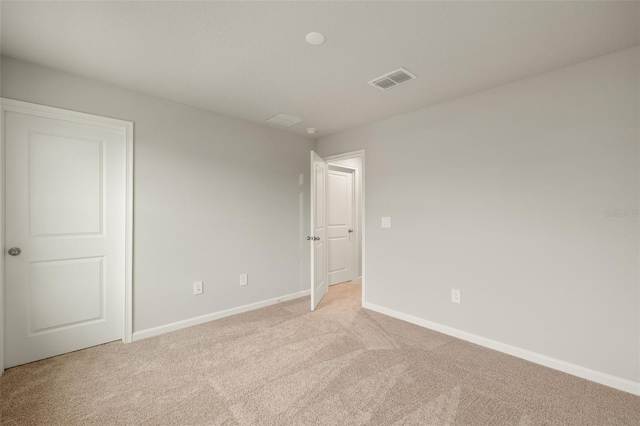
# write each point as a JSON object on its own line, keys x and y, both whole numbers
{"x": 455, "y": 295}
{"x": 198, "y": 287}
{"x": 244, "y": 279}
{"x": 386, "y": 222}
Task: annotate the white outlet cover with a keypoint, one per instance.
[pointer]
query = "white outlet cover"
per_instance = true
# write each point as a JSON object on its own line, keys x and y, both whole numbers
{"x": 386, "y": 222}
{"x": 198, "y": 287}
{"x": 244, "y": 279}
{"x": 455, "y": 295}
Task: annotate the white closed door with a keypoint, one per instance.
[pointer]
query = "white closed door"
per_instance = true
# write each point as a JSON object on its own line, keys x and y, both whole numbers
{"x": 318, "y": 231}
{"x": 340, "y": 229}
{"x": 65, "y": 235}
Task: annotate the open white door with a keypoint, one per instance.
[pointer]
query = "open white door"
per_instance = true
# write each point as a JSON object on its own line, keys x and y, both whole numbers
{"x": 318, "y": 230}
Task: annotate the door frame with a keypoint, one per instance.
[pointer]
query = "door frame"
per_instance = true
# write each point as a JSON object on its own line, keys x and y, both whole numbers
{"x": 12, "y": 105}
{"x": 360, "y": 189}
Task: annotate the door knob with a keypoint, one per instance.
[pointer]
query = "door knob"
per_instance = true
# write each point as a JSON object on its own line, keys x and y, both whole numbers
{"x": 316, "y": 238}
{"x": 14, "y": 251}
{"x": 350, "y": 230}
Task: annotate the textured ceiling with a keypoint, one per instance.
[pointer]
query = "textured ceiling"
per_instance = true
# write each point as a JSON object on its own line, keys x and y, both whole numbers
{"x": 250, "y": 59}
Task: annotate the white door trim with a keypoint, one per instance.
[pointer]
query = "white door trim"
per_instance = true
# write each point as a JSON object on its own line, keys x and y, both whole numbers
{"x": 77, "y": 117}
{"x": 361, "y": 214}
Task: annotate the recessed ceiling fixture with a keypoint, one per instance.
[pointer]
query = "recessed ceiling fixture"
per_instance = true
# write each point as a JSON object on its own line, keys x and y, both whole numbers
{"x": 392, "y": 79}
{"x": 311, "y": 131}
{"x": 315, "y": 39}
{"x": 284, "y": 120}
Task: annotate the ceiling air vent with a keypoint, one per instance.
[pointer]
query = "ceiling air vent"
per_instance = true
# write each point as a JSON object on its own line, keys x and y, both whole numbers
{"x": 284, "y": 120}
{"x": 392, "y": 79}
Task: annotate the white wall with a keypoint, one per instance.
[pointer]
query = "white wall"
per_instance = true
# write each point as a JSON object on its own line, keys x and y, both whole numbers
{"x": 502, "y": 194}
{"x": 214, "y": 197}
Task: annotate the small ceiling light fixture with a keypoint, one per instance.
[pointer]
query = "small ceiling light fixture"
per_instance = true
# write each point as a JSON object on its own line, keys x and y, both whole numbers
{"x": 311, "y": 131}
{"x": 315, "y": 39}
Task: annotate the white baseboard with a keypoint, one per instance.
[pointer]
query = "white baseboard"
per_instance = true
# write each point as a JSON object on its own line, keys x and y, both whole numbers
{"x": 155, "y": 331}
{"x": 557, "y": 364}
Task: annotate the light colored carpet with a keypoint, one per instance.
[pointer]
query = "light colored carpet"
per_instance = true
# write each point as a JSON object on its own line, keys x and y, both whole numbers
{"x": 340, "y": 365}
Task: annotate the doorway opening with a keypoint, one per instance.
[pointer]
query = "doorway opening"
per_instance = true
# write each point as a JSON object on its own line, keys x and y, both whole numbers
{"x": 342, "y": 230}
{"x": 337, "y": 216}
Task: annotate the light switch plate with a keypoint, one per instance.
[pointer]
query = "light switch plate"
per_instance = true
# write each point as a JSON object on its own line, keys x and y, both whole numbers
{"x": 244, "y": 279}
{"x": 386, "y": 222}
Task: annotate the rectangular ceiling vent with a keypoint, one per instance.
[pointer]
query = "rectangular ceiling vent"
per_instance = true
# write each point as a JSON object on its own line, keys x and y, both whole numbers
{"x": 392, "y": 79}
{"x": 284, "y": 120}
